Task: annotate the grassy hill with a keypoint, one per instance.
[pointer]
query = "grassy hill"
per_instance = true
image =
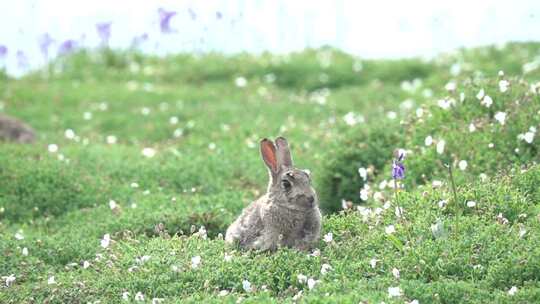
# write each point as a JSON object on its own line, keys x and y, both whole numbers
{"x": 148, "y": 150}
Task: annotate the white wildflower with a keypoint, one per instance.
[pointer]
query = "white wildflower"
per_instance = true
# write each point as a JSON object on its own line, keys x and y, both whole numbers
{"x": 444, "y": 103}
{"x": 398, "y": 212}
{"x": 51, "y": 280}
{"x": 500, "y": 117}
{"x": 394, "y": 292}
{"x": 178, "y": 133}
{"x": 472, "y": 127}
{"x": 86, "y": 264}
{"x": 522, "y": 232}
{"x": 352, "y": 118}
{"x": 527, "y": 137}
{"x": 503, "y": 85}
{"x": 112, "y": 204}
{"x": 428, "y": 141}
{"x": 223, "y": 293}
{"x": 19, "y": 235}
{"x": 487, "y": 101}
{"x": 363, "y": 173}
{"x": 483, "y": 177}
{"x": 451, "y": 86}
{"x": 462, "y": 165}
{"x": 111, "y": 139}
{"x": 395, "y": 273}
{"x": 105, "y": 242}
{"x": 9, "y": 279}
{"x": 125, "y": 296}
{"x": 442, "y": 203}
{"x": 145, "y": 111}
{"x": 325, "y": 268}
{"x": 481, "y": 94}
{"x": 390, "y": 229}
{"x": 25, "y": 251}
{"x": 471, "y": 204}
{"x": 311, "y": 283}
{"x": 195, "y": 261}
{"x": 53, "y": 148}
{"x": 139, "y": 296}
{"x": 173, "y": 120}
{"x": 513, "y": 290}
{"x": 202, "y": 233}
{"x": 440, "y": 146}
{"x": 246, "y": 285}
{"x": 373, "y": 262}
{"x": 148, "y": 152}
{"x": 329, "y": 237}
{"x": 302, "y": 278}
{"x": 69, "y": 134}
{"x": 436, "y": 184}
{"x": 240, "y": 82}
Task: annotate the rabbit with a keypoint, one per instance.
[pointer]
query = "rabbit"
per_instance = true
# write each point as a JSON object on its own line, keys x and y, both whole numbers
{"x": 287, "y": 215}
{"x": 15, "y": 130}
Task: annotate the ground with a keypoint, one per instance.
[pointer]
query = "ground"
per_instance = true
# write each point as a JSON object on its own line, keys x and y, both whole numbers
{"x": 141, "y": 163}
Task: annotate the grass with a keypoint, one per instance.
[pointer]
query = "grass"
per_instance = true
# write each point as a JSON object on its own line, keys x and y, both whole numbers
{"x": 338, "y": 113}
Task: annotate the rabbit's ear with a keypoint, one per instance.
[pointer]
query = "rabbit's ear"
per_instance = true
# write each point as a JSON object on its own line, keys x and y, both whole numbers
{"x": 284, "y": 157}
{"x": 268, "y": 152}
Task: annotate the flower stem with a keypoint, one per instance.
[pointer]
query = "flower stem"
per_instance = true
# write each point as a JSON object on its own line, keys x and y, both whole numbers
{"x": 453, "y": 184}
{"x": 401, "y": 217}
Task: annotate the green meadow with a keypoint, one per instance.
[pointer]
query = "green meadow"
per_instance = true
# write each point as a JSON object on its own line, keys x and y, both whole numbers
{"x": 141, "y": 163}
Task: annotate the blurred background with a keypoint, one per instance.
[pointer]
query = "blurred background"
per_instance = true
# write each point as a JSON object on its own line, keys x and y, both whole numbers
{"x": 35, "y": 31}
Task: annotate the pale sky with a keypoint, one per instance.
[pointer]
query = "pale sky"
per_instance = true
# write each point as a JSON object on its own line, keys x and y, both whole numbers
{"x": 374, "y": 29}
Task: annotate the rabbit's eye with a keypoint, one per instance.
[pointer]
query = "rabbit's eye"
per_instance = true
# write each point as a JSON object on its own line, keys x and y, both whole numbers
{"x": 286, "y": 184}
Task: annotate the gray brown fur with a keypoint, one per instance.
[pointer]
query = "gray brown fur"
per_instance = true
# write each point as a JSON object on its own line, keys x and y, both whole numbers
{"x": 287, "y": 215}
{"x": 12, "y": 129}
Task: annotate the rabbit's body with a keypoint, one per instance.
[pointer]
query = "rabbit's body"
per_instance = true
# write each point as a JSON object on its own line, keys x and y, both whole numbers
{"x": 287, "y": 216}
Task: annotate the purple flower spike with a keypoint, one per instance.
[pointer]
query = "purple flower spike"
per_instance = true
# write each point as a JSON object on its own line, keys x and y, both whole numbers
{"x": 398, "y": 168}
{"x": 138, "y": 40}
{"x": 165, "y": 20}
{"x": 45, "y": 42}
{"x": 22, "y": 60}
{"x": 67, "y": 46}
{"x": 3, "y": 51}
{"x": 104, "y": 32}
{"x": 192, "y": 14}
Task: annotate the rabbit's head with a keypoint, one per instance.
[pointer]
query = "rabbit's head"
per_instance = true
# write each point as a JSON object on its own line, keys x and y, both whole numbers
{"x": 288, "y": 185}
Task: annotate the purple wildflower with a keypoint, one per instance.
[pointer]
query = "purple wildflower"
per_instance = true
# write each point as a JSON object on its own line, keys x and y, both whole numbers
{"x": 398, "y": 168}
{"x": 138, "y": 40}
{"x": 219, "y": 15}
{"x": 104, "y": 32}
{"x": 192, "y": 14}
{"x": 22, "y": 60}
{"x": 3, "y": 51}
{"x": 67, "y": 47}
{"x": 165, "y": 20}
{"x": 45, "y": 42}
